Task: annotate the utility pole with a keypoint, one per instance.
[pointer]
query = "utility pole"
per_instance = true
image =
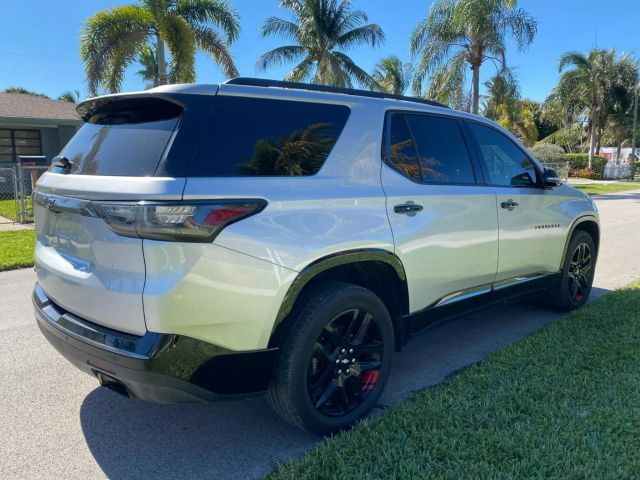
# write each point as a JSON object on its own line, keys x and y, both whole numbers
{"x": 633, "y": 133}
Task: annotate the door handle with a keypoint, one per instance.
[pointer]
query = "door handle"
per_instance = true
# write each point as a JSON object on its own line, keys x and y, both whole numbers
{"x": 408, "y": 208}
{"x": 509, "y": 204}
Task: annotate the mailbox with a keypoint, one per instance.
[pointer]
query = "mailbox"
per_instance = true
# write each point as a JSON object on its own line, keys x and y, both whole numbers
{"x": 32, "y": 160}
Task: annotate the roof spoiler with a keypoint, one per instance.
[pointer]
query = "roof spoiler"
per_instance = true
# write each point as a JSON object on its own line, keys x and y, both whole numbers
{"x": 165, "y": 92}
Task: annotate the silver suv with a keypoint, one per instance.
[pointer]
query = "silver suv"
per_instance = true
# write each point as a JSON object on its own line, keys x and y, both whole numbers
{"x": 199, "y": 242}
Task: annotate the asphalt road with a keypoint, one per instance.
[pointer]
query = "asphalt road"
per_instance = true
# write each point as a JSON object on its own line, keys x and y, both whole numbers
{"x": 55, "y": 422}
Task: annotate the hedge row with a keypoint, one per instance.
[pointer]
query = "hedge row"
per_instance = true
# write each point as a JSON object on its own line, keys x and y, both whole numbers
{"x": 579, "y": 164}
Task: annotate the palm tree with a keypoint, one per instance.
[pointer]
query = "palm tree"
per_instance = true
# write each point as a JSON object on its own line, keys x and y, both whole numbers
{"x": 503, "y": 94}
{"x": 458, "y": 34}
{"x": 618, "y": 131}
{"x": 320, "y": 32}
{"x": 114, "y": 38}
{"x": 620, "y": 101}
{"x": 593, "y": 87}
{"x": 72, "y": 96}
{"x": 505, "y": 106}
{"x": 392, "y": 76}
{"x": 149, "y": 60}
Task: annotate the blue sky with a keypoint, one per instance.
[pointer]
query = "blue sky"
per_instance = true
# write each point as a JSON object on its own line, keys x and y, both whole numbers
{"x": 39, "y": 40}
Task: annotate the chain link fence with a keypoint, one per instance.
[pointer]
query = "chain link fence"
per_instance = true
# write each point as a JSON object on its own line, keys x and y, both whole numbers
{"x": 8, "y": 198}
{"x": 16, "y": 185}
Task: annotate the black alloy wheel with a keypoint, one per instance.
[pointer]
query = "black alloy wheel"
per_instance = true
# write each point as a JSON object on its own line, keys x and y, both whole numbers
{"x": 345, "y": 362}
{"x": 579, "y": 272}
{"x": 335, "y": 360}
{"x": 572, "y": 288}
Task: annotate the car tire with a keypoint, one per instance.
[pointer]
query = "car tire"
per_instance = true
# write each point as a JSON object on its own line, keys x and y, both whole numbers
{"x": 572, "y": 287}
{"x": 335, "y": 361}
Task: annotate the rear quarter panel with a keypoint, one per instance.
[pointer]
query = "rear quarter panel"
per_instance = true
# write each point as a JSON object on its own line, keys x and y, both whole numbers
{"x": 212, "y": 293}
{"x": 339, "y": 209}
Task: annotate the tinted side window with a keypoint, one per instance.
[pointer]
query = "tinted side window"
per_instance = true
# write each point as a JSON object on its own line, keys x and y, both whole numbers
{"x": 260, "y": 137}
{"x": 505, "y": 162}
{"x": 401, "y": 152}
{"x": 442, "y": 152}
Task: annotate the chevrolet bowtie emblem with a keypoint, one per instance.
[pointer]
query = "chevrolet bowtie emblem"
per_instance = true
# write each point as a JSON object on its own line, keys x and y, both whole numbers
{"x": 48, "y": 202}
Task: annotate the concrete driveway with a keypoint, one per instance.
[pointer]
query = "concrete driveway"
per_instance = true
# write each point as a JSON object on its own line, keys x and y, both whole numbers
{"x": 56, "y": 423}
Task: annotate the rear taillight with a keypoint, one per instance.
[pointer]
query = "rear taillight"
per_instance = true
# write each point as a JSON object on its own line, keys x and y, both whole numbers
{"x": 181, "y": 222}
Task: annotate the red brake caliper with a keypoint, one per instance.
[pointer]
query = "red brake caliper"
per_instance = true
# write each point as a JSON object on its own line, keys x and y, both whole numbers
{"x": 370, "y": 378}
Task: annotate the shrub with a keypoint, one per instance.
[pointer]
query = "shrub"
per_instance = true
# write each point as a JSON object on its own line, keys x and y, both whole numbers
{"x": 584, "y": 173}
{"x": 580, "y": 161}
{"x": 547, "y": 152}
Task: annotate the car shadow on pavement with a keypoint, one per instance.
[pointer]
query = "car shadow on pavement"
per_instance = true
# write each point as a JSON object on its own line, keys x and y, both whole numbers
{"x": 136, "y": 439}
{"x": 245, "y": 439}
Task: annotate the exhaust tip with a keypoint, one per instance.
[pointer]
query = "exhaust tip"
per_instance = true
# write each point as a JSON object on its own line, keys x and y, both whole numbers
{"x": 112, "y": 384}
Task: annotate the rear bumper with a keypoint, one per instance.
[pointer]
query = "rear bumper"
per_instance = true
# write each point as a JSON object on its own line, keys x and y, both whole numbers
{"x": 154, "y": 367}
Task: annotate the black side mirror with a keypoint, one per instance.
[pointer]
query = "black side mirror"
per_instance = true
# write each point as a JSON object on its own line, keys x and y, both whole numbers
{"x": 522, "y": 180}
{"x": 550, "y": 178}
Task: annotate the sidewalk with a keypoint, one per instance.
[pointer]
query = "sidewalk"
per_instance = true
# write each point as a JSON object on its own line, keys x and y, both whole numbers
{"x": 7, "y": 225}
{"x": 586, "y": 181}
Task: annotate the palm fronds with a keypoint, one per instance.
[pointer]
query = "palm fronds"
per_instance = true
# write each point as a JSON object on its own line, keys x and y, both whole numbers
{"x": 321, "y": 32}
{"x": 392, "y": 76}
{"x": 112, "y": 39}
{"x": 473, "y": 30}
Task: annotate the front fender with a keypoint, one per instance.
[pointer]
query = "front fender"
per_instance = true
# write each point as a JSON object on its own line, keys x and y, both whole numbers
{"x": 581, "y": 223}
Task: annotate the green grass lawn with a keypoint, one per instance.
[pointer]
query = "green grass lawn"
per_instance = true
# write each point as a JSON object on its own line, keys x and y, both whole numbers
{"x": 8, "y": 208}
{"x": 598, "y": 188}
{"x": 16, "y": 249}
{"x": 563, "y": 403}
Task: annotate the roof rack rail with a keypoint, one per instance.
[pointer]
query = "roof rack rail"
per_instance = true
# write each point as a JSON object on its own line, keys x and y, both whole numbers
{"x": 261, "y": 82}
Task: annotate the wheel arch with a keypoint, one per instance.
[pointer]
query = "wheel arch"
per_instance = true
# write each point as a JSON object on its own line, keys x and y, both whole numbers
{"x": 379, "y": 270}
{"x": 587, "y": 223}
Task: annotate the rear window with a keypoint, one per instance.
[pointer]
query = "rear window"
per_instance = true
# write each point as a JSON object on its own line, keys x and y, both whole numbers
{"x": 123, "y": 138}
{"x": 442, "y": 152}
{"x": 440, "y": 156}
{"x": 261, "y": 137}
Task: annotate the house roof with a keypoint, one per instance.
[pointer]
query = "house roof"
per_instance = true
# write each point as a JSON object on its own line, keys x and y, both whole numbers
{"x": 24, "y": 106}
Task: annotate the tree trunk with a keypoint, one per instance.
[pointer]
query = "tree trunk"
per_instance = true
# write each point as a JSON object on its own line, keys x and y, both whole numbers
{"x": 619, "y": 152}
{"x": 162, "y": 63}
{"x": 634, "y": 133}
{"x": 592, "y": 135}
{"x": 476, "y": 88}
